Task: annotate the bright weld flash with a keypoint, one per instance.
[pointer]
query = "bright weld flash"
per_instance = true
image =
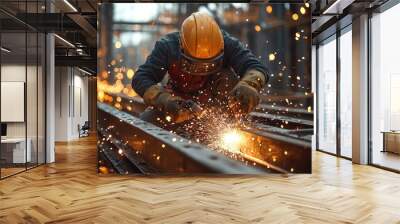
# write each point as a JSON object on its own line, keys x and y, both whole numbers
{"x": 231, "y": 140}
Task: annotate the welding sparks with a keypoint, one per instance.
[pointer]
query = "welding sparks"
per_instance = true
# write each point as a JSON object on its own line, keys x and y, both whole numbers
{"x": 302, "y": 10}
{"x": 103, "y": 170}
{"x": 268, "y": 9}
{"x": 297, "y": 36}
{"x": 118, "y": 44}
{"x": 271, "y": 57}
{"x": 295, "y": 16}
{"x": 231, "y": 140}
{"x": 130, "y": 73}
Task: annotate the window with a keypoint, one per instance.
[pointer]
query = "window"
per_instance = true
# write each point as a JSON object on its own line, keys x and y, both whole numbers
{"x": 385, "y": 89}
{"x": 327, "y": 96}
{"x": 346, "y": 93}
{"x": 22, "y": 88}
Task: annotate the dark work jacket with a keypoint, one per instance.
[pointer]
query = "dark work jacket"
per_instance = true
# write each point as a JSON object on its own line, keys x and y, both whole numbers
{"x": 166, "y": 55}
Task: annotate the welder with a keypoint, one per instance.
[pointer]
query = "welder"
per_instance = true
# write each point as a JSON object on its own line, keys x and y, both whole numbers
{"x": 204, "y": 66}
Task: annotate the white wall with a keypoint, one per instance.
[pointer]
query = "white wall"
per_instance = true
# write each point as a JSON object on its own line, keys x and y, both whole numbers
{"x": 61, "y": 103}
{"x": 71, "y": 102}
{"x": 80, "y": 110}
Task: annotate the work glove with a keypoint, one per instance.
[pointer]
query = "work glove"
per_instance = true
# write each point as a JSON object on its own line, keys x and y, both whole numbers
{"x": 245, "y": 96}
{"x": 176, "y": 109}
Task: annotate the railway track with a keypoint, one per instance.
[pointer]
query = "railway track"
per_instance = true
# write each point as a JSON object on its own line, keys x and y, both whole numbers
{"x": 130, "y": 145}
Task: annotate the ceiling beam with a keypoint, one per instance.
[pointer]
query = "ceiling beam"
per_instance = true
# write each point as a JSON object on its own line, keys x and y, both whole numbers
{"x": 337, "y": 7}
{"x": 84, "y": 24}
{"x": 79, "y": 61}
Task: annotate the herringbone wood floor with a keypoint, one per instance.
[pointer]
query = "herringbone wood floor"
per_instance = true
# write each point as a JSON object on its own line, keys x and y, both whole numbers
{"x": 70, "y": 191}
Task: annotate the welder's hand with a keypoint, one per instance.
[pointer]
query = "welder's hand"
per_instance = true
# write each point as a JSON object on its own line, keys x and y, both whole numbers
{"x": 176, "y": 109}
{"x": 243, "y": 98}
{"x": 245, "y": 95}
{"x": 194, "y": 108}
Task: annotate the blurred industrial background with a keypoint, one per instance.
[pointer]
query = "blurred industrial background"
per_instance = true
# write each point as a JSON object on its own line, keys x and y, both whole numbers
{"x": 279, "y": 34}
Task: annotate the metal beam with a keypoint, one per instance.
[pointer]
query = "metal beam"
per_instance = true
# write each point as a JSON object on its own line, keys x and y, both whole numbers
{"x": 287, "y": 153}
{"x": 84, "y": 61}
{"x": 84, "y": 24}
{"x": 290, "y": 148}
{"x": 124, "y": 150}
{"x": 337, "y": 6}
{"x": 168, "y": 152}
{"x": 49, "y": 22}
{"x": 300, "y": 133}
{"x": 320, "y": 23}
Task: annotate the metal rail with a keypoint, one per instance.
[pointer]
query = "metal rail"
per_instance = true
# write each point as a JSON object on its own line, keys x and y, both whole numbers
{"x": 301, "y": 137}
{"x": 107, "y": 152}
{"x": 290, "y": 154}
{"x": 108, "y": 138}
{"x": 280, "y": 118}
{"x": 165, "y": 151}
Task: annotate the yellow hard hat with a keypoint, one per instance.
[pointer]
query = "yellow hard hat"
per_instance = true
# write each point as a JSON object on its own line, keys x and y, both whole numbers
{"x": 202, "y": 43}
{"x": 201, "y": 36}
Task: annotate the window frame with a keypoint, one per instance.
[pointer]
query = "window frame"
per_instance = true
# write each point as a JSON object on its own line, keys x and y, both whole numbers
{"x": 334, "y": 37}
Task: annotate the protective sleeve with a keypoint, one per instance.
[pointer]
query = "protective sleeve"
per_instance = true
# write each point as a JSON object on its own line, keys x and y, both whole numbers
{"x": 153, "y": 70}
{"x": 240, "y": 58}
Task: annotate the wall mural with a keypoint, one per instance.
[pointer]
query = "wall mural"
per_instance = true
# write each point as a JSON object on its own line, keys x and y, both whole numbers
{"x": 198, "y": 88}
